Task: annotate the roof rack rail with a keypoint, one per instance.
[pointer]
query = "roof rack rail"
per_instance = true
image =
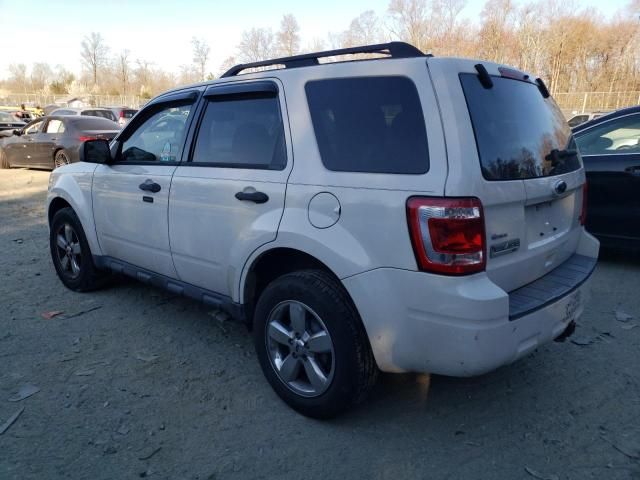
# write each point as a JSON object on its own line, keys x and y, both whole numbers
{"x": 393, "y": 49}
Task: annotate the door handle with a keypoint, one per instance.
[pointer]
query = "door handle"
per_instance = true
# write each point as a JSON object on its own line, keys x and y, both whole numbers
{"x": 255, "y": 197}
{"x": 150, "y": 186}
{"x": 635, "y": 170}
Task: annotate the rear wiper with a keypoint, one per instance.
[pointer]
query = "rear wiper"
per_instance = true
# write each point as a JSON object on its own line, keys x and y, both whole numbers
{"x": 556, "y": 156}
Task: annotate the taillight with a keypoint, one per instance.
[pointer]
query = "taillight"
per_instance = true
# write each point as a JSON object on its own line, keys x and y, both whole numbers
{"x": 84, "y": 138}
{"x": 583, "y": 211}
{"x": 447, "y": 234}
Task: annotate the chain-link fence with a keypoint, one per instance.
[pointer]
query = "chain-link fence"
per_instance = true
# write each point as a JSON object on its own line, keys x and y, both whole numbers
{"x": 580, "y": 102}
{"x": 41, "y": 100}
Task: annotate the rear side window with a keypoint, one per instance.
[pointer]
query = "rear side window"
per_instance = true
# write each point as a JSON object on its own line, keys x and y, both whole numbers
{"x": 621, "y": 135}
{"x": 242, "y": 132}
{"x": 93, "y": 123}
{"x": 369, "y": 124}
{"x": 517, "y": 129}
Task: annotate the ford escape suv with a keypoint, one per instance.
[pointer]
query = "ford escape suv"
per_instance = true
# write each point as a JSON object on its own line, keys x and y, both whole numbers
{"x": 398, "y": 213}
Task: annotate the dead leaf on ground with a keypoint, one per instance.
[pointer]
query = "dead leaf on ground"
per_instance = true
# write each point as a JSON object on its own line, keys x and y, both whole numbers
{"x": 147, "y": 357}
{"x": 50, "y": 315}
{"x": 25, "y": 392}
{"x": 623, "y": 316}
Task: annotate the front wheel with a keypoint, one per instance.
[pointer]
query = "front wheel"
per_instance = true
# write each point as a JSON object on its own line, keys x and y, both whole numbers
{"x": 311, "y": 344}
{"x": 71, "y": 254}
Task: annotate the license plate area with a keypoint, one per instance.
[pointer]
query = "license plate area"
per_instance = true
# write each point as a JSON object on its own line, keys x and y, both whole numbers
{"x": 547, "y": 221}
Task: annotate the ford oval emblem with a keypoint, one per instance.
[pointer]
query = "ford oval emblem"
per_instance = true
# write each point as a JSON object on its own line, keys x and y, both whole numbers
{"x": 560, "y": 187}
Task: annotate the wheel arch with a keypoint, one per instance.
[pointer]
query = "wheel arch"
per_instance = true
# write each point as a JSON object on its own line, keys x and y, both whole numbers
{"x": 273, "y": 263}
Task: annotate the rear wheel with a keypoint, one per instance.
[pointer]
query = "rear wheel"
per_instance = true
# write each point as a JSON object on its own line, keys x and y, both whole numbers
{"x": 71, "y": 254}
{"x": 311, "y": 344}
{"x": 61, "y": 159}
{"x": 4, "y": 161}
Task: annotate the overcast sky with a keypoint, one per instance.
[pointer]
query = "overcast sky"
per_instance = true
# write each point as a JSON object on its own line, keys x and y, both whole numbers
{"x": 160, "y": 31}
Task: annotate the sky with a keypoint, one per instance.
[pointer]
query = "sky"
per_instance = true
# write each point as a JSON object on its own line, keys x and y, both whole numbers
{"x": 160, "y": 31}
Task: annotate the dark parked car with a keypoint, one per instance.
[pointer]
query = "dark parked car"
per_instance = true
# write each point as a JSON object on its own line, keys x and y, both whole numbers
{"x": 610, "y": 148}
{"x": 51, "y": 142}
{"x": 123, "y": 114}
{"x": 88, "y": 112}
{"x": 9, "y": 123}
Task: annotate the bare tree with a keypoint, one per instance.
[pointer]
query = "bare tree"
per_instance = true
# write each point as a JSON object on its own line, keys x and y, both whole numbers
{"x": 288, "y": 37}
{"x": 363, "y": 30}
{"x": 41, "y": 74}
{"x": 94, "y": 54}
{"x": 256, "y": 44}
{"x": 201, "y": 52}
{"x": 123, "y": 66}
{"x": 408, "y": 21}
{"x": 18, "y": 76}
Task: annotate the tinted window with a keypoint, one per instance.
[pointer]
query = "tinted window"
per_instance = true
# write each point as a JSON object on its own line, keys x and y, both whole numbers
{"x": 578, "y": 120}
{"x": 55, "y": 126}
{"x": 159, "y": 138}
{"x": 516, "y": 129}
{"x": 64, "y": 112}
{"x": 100, "y": 113}
{"x": 621, "y": 135}
{"x": 369, "y": 124}
{"x": 128, "y": 113}
{"x": 93, "y": 123}
{"x": 243, "y": 133}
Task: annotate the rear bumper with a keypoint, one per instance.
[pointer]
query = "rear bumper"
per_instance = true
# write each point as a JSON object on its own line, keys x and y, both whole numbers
{"x": 461, "y": 326}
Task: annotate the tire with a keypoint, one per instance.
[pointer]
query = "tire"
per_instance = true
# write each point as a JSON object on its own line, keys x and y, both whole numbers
{"x": 347, "y": 366}
{"x": 60, "y": 159}
{"x": 4, "y": 161}
{"x": 78, "y": 273}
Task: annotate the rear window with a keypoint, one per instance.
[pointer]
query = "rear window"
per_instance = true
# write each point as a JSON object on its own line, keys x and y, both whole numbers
{"x": 93, "y": 123}
{"x": 128, "y": 113}
{"x": 516, "y": 129}
{"x": 99, "y": 113}
{"x": 369, "y": 124}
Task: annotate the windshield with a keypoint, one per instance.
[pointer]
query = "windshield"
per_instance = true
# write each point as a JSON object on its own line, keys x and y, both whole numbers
{"x": 7, "y": 117}
{"x": 519, "y": 133}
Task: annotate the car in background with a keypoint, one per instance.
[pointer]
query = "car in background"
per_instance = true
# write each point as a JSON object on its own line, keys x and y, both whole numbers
{"x": 610, "y": 149}
{"x": 123, "y": 114}
{"x": 584, "y": 117}
{"x": 88, "y": 111}
{"x": 9, "y": 123}
{"x": 54, "y": 141}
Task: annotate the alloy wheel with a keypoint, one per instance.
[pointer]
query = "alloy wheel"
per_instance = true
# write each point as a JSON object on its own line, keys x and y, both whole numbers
{"x": 61, "y": 159}
{"x": 69, "y": 250}
{"x": 300, "y": 348}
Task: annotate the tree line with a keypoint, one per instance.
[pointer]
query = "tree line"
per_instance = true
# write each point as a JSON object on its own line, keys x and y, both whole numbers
{"x": 573, "y": 49}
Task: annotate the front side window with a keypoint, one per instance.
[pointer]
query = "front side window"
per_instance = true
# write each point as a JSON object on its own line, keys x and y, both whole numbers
{"x": 55, "y": 126}
{"x": 160, "y": 138}
{"x": 242, "y": 132}
{"x": 33, "y": 128}
{"x": 621, "y": 135}
{"x": 369, "y": 124}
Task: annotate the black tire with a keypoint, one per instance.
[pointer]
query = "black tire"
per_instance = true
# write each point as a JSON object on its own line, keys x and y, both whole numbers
{"x": 88, "y": 277}
{"x": 61, "y": 158}
{"x": 4, "y": 161}
{"x": 354, "y": 372}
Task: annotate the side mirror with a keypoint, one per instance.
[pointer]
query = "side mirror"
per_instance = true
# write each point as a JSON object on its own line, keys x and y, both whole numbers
{"x": 95, "y": 151}
{"x": 17, "y": 133}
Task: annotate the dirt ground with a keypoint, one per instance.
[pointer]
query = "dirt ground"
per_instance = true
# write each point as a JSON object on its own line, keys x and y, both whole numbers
{"x": 136, "y": 383}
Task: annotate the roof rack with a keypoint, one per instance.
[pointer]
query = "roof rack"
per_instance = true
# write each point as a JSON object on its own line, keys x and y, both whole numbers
{"x": 393, "y": 49}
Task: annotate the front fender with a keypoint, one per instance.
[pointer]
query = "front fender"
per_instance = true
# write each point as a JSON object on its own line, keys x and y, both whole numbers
{"x": 72, "y": 183}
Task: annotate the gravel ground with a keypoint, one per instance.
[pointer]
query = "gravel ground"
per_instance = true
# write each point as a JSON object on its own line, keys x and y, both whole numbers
{"x": 135, "y": 383}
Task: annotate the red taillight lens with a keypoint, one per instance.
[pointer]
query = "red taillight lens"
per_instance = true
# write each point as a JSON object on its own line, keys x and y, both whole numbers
{"x": 447, "y": 234}
{"x": 84, "y": 138}
{"x": 583, "y": 211}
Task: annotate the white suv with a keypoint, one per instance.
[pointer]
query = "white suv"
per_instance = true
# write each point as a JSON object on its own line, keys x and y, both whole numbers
{"x": 405, "y": 213}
